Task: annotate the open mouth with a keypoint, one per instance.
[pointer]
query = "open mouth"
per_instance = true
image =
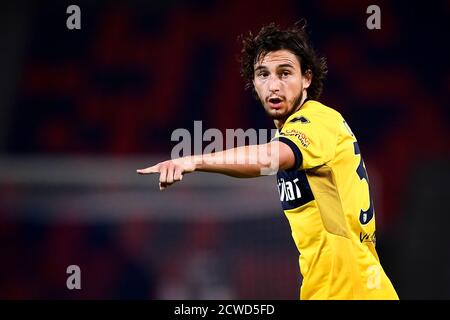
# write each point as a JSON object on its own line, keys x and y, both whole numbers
{"x": 275, "y": 102}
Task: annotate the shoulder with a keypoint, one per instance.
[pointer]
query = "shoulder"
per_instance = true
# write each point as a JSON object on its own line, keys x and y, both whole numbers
{"x": 315, "y": 111}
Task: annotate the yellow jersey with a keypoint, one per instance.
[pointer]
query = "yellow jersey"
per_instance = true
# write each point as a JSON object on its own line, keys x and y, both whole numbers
{"x": 327, "y": 201}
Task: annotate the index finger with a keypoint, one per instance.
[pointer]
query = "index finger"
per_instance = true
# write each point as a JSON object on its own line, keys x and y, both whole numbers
{"x": 149, "y": 170}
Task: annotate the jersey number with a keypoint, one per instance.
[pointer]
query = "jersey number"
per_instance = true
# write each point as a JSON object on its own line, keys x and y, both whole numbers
{"x": 364, "y": 216}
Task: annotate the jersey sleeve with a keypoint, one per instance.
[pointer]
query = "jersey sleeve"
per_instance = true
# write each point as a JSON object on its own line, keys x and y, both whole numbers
{"x": 313, "y": 140}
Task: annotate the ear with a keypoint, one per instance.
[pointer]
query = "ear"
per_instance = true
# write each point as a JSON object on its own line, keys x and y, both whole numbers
{"x": 307, "y": 78}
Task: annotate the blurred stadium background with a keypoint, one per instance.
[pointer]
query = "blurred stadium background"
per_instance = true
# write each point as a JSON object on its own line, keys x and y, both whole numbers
{"x": 80, "y": 110}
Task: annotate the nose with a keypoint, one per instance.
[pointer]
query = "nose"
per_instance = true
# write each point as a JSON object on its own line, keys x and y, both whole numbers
{"x": 274, "y": 84}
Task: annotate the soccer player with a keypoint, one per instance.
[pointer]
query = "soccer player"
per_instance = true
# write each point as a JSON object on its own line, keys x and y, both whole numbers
{"x": 322, "y": 179}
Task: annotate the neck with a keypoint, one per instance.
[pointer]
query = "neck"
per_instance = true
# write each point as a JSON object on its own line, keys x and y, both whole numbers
{"x": 279, "y": 123}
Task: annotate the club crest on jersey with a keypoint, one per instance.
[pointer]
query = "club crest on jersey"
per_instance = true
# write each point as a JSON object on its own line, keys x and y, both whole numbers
{"x": 300, "y": 119}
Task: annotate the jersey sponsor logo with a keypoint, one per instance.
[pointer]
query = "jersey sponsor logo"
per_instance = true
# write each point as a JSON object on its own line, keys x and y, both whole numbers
{"x": 304, "y": 140}
{"x": 301, "y": 119}
{"x": 367, "y": 237}
{"x": 294, "y": 189}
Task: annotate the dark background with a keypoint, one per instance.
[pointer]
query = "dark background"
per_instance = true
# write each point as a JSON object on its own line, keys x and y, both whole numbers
{"x": 80, "y": 110}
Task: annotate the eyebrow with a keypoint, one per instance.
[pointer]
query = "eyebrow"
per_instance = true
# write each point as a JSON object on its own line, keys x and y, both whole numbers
{"x": 260, "y": 68}
{"x": 284, "y": 65}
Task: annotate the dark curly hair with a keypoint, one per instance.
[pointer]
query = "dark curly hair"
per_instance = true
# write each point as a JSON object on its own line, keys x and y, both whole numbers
{"x": 295, "y": 39}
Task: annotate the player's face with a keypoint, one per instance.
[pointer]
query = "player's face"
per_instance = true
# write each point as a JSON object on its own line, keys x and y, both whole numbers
{"x": 280, "y": 84}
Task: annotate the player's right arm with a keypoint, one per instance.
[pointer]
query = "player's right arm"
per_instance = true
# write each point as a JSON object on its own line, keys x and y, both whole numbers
{"x": 241, "y": 162}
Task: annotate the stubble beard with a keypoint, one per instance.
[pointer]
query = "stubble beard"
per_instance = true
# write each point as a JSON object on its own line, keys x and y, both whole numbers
{"x": 283, "y": 116}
